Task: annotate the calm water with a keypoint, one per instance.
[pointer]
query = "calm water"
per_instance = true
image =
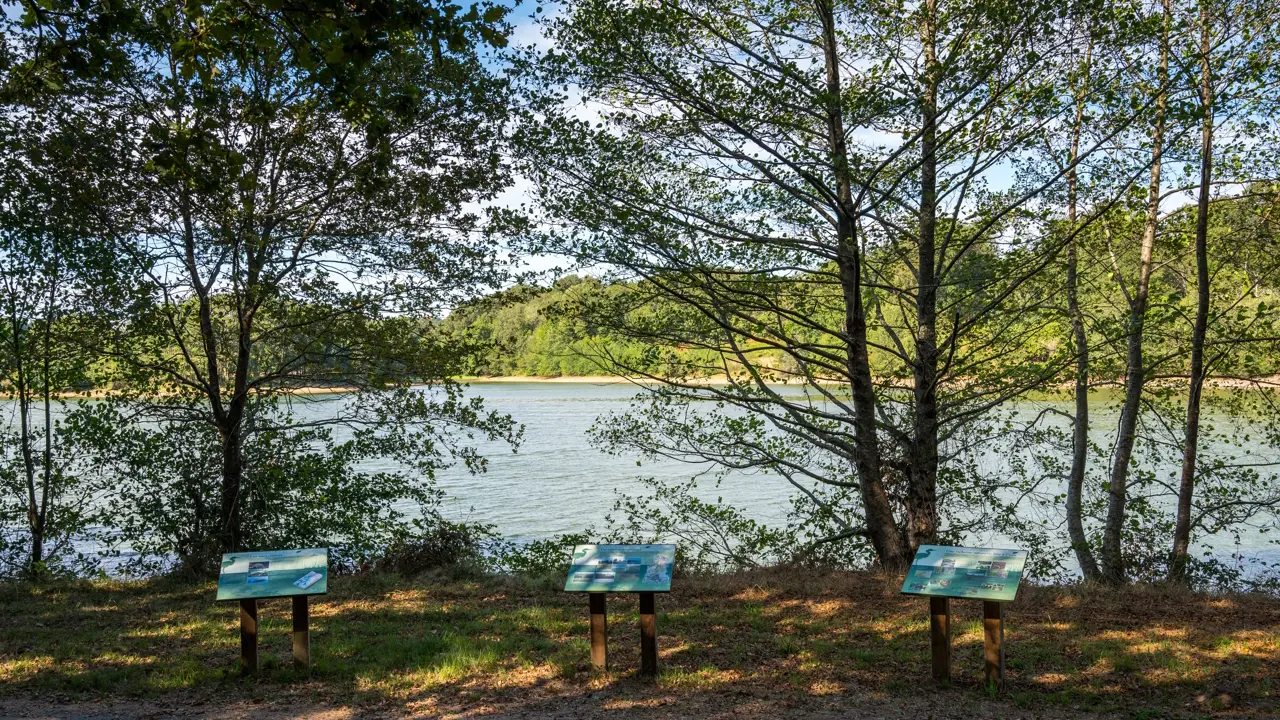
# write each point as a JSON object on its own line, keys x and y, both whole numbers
{"x": 556, "y": 482}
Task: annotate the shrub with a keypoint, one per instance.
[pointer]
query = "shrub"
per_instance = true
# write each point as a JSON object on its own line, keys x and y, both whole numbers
{"x": 436, "y": 544}
{"x": 539, "y": 557}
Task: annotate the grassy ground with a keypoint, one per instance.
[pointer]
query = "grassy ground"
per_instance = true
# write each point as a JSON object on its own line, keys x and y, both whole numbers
{"x": 773, "y": 643}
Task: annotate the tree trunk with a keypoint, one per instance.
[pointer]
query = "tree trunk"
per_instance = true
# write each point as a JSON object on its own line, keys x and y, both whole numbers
{"x": 1113, "y": 565}
{"x": 23, "y": 391}
{"x": 1080, "y": 430}
{"x": 922, "y": 496}
{"x": 232, "y": 486}
{"x": 39, "y": 533}
{"x": 1186, "y": 489}
{"x": 233, "y": 433}
{"x": 881, "y": 528}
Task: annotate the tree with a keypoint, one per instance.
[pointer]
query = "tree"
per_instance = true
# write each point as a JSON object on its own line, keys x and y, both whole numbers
{"x": 822, "y": 182}
{"x": 1235, "y": 41}
{"x": 1135, "y": 368}
{"x": 305, "y": 179}
{"x": 1078, "y": 84}
{"x": 57, "y": 211}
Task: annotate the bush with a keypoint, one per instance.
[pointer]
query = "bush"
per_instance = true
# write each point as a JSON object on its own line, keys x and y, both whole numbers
{"x": 436, "y": 544}
{"x": 712, "y": 536}
{"x": 539, "y": 557}
{"x": 352, "y": 483}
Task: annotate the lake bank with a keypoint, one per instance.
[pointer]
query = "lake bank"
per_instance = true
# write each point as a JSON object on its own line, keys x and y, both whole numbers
{"x": 802, "y": 644}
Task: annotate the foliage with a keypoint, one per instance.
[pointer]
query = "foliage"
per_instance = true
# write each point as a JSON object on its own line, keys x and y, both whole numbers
{"x": 528, "y": 330}
{"x": 306, "y": 484}
{"x": 285, "y": 196}
{"x": 433, "y": 544}
{"x": 58, "y": 153}
{"x": 82, "y": 450}
{"x": 710, "y": 535}
{"x": 547, "y": 557}
{"x": 874, "y": 202}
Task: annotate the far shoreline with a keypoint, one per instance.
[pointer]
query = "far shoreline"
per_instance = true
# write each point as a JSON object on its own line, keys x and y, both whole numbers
{"x": 580, "y": 380}
{"x": 1214, "y": 384}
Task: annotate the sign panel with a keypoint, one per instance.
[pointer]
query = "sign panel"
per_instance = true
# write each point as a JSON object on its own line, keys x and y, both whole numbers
{"x": 621, "y": 568}
{"x": 977, "y": 573}
{"x": 274, "y": 573}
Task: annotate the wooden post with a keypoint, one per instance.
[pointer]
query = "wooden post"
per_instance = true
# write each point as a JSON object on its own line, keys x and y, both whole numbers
{"x": 599, "y": 641}
{"x": 993, "y": 642}
{"x": 648, "y": 636}
{"x": 301, "y": 632}
{"x": 249, "y": 637}
{"x": 940, "y": 638}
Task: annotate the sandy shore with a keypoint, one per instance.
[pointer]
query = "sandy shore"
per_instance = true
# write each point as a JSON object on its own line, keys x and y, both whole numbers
{"x": 1272, "y": 382}
{"x": 565, "y": 379}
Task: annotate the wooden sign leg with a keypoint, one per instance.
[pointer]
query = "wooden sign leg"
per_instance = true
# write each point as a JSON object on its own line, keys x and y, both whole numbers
{"x": 301, "y": 632}
{"x": 599, "y": 641}
{"x": 993, "y": 642}
{"x": 940, "y": 638}
{"x": 248, "y": 637}
{"x": 648, "y": 636}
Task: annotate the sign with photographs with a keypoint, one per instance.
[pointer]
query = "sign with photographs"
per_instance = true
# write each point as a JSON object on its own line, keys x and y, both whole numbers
{"x": 975, "y": 573}
{"x": 621, "y": 568}
{"x": 274, "y": 573}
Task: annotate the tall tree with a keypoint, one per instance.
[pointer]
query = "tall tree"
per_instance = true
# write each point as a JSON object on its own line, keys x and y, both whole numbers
{"x": 1186, "y": 486}
{"x": 302, "y": 194}
{"x": 1113, "y": 569}
{"x": 718, "y": 180}
{"x": 1078, "y": 82}
{"x": 1234, "y": 43}
{"x": 62, "y": 167}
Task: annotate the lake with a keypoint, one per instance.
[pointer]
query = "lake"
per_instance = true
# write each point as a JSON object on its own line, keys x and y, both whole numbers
{"x": 556, "y": 482}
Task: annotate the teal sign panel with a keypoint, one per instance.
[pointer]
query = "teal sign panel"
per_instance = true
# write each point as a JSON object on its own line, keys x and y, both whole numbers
{"x": 274, "y": 573}
{"x": 958, "y": 572}
{"x": 621, "y": 568}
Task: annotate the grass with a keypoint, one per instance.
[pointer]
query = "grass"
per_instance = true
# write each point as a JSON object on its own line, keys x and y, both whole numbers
{"x": 437, "y": 645}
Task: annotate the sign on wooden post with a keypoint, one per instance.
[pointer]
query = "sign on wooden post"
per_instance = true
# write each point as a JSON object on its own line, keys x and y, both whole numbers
{"x": 940, "y": 638}
{"x": 249, "y": 636}
{"x": 301, "y": 631}
{"x": 988, "y": 574}
{"x": 599, "y": 632}
{"x": 643, "y": 569}
{"x": 993, "y": 643}
{"x": 648, "y": 636}
{"x": 248, "y": 577}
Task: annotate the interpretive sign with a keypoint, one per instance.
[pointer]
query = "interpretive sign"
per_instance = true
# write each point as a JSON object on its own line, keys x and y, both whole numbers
{"x": 643, "y": 569}
{"x": 273, "y": 573}
{"x": 252, "y": 576}
{"x": 621, "y": 568}
{"x": 988, "y": 574}
{"x": 969, "y": 573}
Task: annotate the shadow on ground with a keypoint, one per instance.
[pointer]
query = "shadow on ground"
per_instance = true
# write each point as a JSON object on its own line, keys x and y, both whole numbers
{"x": 777, "y": 644}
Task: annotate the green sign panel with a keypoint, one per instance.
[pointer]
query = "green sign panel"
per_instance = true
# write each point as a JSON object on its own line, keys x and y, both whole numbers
{"x": 977, "y": 573}
{"x": 274, "y": 573}
{"x": 621, "y": 568}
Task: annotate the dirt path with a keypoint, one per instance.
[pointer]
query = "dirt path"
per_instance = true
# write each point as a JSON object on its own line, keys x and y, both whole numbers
{"x": 947, "y": 705}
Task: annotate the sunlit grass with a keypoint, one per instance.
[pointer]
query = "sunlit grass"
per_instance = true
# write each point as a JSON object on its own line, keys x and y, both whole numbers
{"x": 431, "y": 643}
